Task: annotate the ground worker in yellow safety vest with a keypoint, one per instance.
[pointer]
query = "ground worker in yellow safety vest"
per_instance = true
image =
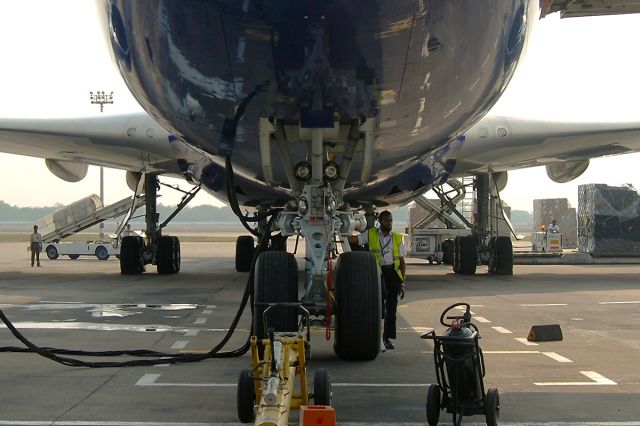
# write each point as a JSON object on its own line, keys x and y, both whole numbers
{"x": 390, "y": 252}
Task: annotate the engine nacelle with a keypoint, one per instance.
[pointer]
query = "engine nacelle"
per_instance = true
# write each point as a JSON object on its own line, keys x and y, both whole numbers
{"x": 566, "y": 171}
{"x": 132, "y": 180}
{"x": 69, "y": 171}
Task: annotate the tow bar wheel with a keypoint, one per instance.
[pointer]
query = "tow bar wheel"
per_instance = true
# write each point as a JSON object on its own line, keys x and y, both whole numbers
{"x": 322, "y": 387}
{"x": 246, "y": 397}
{"x": 433, "y": 405}
{"x": 492, "y": 407}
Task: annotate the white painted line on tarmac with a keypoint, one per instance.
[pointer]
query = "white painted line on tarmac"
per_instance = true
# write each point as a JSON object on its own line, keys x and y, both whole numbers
{"x": 207, "y": 312}
{"x": 200, "y": 321}
{"x": 192, "y": 332}
{"x": 151, "y": 380}
{"x": 414, "y": 329}
{"x": 502, "y": 330}
{"x": 180, "y": 344}
{"x": 598, "y": 380}
{"x": 556, "y": 357}
{"x": 108, "y": 423}
{"x": 544, "y": 304}
{"x": 524, "y": 341}
{"x": 510, "y": 352}
{"x": 619, "y": 303}
{"x": 481, "y": 319}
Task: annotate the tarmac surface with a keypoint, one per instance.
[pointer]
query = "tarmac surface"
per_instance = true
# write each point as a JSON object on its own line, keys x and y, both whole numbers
{"x": 591, "y": 377}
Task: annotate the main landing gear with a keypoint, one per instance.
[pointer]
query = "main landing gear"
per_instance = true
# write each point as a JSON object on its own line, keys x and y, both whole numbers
{"x": 157, "y": 249}
{"x": 483, "y": 246}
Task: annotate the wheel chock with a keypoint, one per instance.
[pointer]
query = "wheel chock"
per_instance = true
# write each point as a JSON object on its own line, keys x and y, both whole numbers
{"x": 316, "y": 415}
{"x": 545, "y": 333}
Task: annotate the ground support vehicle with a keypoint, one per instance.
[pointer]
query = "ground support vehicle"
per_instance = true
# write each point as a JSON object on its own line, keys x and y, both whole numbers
{"x": 100, "y": 249}
{"x": 267, "y": 392}
{"x": 546, "y": 242}
{"x": 428, "y": 244}
{"x": 460, "y": 372}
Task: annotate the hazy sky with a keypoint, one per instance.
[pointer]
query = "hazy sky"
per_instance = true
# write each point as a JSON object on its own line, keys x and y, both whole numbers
{"x": 53, "y": 55}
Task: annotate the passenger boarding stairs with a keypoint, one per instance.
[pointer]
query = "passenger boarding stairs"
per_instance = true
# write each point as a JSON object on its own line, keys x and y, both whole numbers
{"x": 449, "y": 199}
{"x": 54, "y": 230}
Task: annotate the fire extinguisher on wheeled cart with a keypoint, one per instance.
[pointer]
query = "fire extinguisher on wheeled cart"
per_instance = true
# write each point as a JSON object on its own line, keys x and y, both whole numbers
{"x": 460, "y": 372}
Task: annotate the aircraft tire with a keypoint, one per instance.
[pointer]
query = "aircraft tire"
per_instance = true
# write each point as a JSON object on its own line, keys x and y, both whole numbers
{"x": 447, "y": 252}
{"x": 244, "y": 253}
{"x": 321, "y": 387}
{"x": 130, "y": 255}
{"x": 246, "y": 397}
{"x": 166, "y": 255}
{"x": 177, "y": 257}
{"x": 276, "y": 280}
{"x": 52, "y": 252}
{"x": 492, "y": 259}
{"x": 358, "y": 307}
{"x": 467, "y": 257}
{"x": 503, "y": 253}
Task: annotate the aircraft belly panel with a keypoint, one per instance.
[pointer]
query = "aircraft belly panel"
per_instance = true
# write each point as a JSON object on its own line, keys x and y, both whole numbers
{"x": 426, "y": 70}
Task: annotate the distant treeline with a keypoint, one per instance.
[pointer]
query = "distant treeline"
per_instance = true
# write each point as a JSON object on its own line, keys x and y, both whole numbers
{"x": 204, "y": 213}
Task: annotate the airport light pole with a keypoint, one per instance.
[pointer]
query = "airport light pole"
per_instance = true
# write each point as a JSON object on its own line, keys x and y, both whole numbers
{"x": 101, "y": 98}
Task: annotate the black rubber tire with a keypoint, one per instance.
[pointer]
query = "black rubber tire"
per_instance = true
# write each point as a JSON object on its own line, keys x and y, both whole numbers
{"x": 166, "y": 255}
{"x": 433, "y": 405}
{"x": 503, "y": 256}
{"x": 447, "y": 252}
{"x": 456, "y": 255}
{"x": 358, "y": 307}
{"x": 130, "y": 263}
{"x": 102, "y": 253}
{"x": 52, "y": 252}
{"x": 73, "y": 256}
{"x": 492, "y": 407}
{"x": 246, "y": 397}
{"x": 244, "y": 253}
{"x": 467, "y": 256}
{"x": 177, "y": 257}
{"x": 322, "y": 387}
{"x": 276, "y": 280}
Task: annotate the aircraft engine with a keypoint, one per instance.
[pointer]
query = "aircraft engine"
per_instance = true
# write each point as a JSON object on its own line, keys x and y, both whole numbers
{"x": 132, "y": 179}
{"x": 566, "y": 171}
{"x": 69, "y": 171}
{"x": 500, "y": 179}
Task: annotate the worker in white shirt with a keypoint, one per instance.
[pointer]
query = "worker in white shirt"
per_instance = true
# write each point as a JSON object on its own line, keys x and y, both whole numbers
{"x": 36, "y": 245}
{"x": 390, "y": 252}
{"x": 553, "y": 227}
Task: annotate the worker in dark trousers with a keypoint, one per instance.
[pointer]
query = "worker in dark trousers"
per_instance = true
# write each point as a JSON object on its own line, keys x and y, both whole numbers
{"x": 36, "y": 245}
{"x": 390, "y": 252}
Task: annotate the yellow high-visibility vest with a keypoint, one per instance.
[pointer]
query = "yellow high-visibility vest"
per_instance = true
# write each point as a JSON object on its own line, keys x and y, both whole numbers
{"x": 374, "y": 247}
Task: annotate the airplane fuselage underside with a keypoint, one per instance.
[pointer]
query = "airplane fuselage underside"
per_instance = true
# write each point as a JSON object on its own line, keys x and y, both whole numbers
{"x": 422, "y": 70}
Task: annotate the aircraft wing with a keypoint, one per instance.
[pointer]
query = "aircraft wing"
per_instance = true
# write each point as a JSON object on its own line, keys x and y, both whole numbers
{"x": 132, "y": 142}
{"x": 501, "y": 143}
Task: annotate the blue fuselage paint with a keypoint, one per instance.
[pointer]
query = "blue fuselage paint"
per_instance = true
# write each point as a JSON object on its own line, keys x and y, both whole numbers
{"x": 426, "y": 70}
